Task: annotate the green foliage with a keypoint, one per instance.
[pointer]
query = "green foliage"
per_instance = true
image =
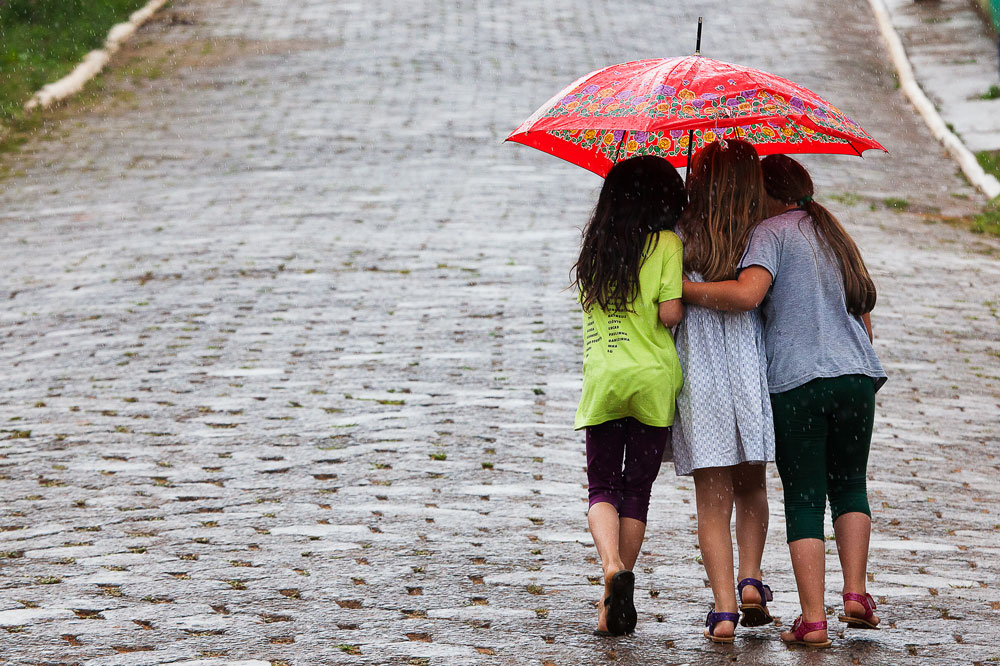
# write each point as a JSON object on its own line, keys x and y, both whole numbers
{"x": 988, "y": 222}
{"x": 847, "y": 198}
{"x": 43, "y": 40}
{"x": 990, "y": 161}
{"x": 992, "y": 93}
{"x": 896, "y": 203}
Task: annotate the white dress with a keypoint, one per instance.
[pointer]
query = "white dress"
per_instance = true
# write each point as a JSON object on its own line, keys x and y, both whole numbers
{"x": 723, "y": 410}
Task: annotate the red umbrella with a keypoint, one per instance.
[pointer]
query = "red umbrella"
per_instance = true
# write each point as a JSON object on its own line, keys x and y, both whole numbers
{"x": 656, "y": 107}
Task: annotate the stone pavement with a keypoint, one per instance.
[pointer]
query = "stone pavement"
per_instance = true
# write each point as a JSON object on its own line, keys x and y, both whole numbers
{"x": 290, "y": 366}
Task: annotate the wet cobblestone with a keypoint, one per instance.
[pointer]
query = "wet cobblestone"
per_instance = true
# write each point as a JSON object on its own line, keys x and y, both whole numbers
{"x": 290, "y": 365}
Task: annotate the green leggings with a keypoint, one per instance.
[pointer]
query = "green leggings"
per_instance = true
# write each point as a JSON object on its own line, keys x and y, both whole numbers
{"x": 823, "y": 430}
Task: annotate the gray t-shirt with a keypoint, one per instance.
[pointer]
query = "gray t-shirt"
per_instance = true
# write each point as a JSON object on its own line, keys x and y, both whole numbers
{"x": 808, "y": 332}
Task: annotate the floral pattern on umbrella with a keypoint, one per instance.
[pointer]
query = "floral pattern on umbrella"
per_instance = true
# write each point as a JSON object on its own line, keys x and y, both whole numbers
{"x": 617, "y": 145}
{"x": 648, "y": 107}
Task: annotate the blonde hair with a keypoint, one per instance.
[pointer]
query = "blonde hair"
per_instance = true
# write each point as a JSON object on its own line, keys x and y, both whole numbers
{"x": 726, "y": 201}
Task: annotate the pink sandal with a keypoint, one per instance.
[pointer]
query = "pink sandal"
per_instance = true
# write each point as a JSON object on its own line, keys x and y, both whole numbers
{"x": 800, "y": 629}
{"x": 864, "y": 622}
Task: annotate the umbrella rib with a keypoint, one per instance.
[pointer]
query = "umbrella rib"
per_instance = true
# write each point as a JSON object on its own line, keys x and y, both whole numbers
{"x": 680, "y": 62}
{"x": 793, "y": 123}
{"x": 795, "y": 128}
{"x": 619, "y": 148}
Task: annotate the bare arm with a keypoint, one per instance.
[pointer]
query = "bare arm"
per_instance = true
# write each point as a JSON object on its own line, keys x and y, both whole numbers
{"x": 671, "y": 312}
{"x": 867, "y": 319}
{"x": 740, "y": 295}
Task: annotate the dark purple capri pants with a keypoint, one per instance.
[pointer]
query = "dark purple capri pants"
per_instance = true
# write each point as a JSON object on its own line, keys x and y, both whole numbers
{"x": 624, "y": 486}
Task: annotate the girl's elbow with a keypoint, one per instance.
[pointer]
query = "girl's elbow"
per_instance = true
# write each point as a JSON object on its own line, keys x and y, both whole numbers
{"x": 672, "y": 316}
{"x": 749, "y": 300}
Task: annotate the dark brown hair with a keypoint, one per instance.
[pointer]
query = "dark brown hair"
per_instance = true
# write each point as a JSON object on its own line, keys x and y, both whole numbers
{"x": 726, "y": 189}
{"x": 640, "y": 196}
{"x": 788, "y": 181}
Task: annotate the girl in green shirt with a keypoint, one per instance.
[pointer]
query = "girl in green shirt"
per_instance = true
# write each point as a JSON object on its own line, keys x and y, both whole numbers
{"x": 629, "y": 278}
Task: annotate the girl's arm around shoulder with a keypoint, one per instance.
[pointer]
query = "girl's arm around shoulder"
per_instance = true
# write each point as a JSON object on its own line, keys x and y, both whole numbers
{"x": 740, "y": 295}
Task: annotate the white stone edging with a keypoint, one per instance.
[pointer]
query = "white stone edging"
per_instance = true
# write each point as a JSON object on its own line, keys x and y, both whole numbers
{"x": 93, "y": 62}
{"x": 989, "y": 185}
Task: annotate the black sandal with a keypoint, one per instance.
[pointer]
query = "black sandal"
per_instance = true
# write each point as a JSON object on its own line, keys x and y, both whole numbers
{"x": 621, "y": 616}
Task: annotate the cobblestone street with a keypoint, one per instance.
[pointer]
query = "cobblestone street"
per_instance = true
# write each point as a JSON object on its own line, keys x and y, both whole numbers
{"x": 290, "y": 365}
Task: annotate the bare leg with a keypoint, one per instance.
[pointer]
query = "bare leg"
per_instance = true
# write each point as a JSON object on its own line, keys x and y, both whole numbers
{"x": 630, "y": 535}
{"x": 604, "y": 528}
{"x": 713, "y": 488}
{"x": 750, "y": 494}
{"x": 808, "y": 563}
{"x": 853, "y": 531}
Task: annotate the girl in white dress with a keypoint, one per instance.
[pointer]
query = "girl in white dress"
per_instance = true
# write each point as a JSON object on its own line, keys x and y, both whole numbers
{"x": 724, "y": 432}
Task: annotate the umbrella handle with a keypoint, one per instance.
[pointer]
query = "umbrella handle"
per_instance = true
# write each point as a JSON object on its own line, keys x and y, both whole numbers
{"x": 690, "y": 146}
{"x": 697, "y": 52}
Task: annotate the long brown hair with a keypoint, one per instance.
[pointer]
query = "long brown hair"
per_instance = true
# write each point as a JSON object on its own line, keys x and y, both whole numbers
{"x": 640, "y": 196}
{"x": 726, "y": 190}
{"x": 788, "y": 181}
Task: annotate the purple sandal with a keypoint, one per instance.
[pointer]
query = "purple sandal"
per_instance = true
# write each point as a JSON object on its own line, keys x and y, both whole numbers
{"x": 714, "y": 619}
{"x": 865, "y": 621}
{"x": 800, "y": 629}
{"x": 755, "y": 615}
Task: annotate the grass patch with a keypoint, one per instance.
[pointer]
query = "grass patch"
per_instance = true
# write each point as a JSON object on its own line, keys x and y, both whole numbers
{"x": 43, "y": 40}
{"x": 847, "y": 198}
{"x": 990, "y": 161}
{"x": 988, "y": 222}
{"x": 992, "y": 93}
{"x": 896, "y": 203}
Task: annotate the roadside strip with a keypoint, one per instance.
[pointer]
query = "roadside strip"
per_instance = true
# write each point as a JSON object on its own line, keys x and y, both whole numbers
{"x": 987, "y": 183}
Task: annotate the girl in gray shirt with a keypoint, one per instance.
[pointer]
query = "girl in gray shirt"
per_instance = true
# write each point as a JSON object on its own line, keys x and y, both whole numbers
{"x": 815, "y": 294}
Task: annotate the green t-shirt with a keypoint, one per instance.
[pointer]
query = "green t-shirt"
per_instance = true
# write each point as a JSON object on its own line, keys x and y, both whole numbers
{"x": 630, "y": 365}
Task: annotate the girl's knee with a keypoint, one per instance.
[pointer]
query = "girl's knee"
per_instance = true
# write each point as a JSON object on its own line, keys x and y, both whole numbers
{"x": 635, "y": 508}
{"x": 849, "y": 496}
{"x": 750, "y": 482}
{"x": 615, "y": 500}
{"x": 803, "y": 527}
{"x": 849, "y": 504}
{"x": 635, "y": 503}
{"x": 717, "y": 500}
{"x": 804, "y": 520}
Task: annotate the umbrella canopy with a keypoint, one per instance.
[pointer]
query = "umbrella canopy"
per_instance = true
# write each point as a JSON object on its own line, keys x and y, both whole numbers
{"x": 648, "y": 107}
